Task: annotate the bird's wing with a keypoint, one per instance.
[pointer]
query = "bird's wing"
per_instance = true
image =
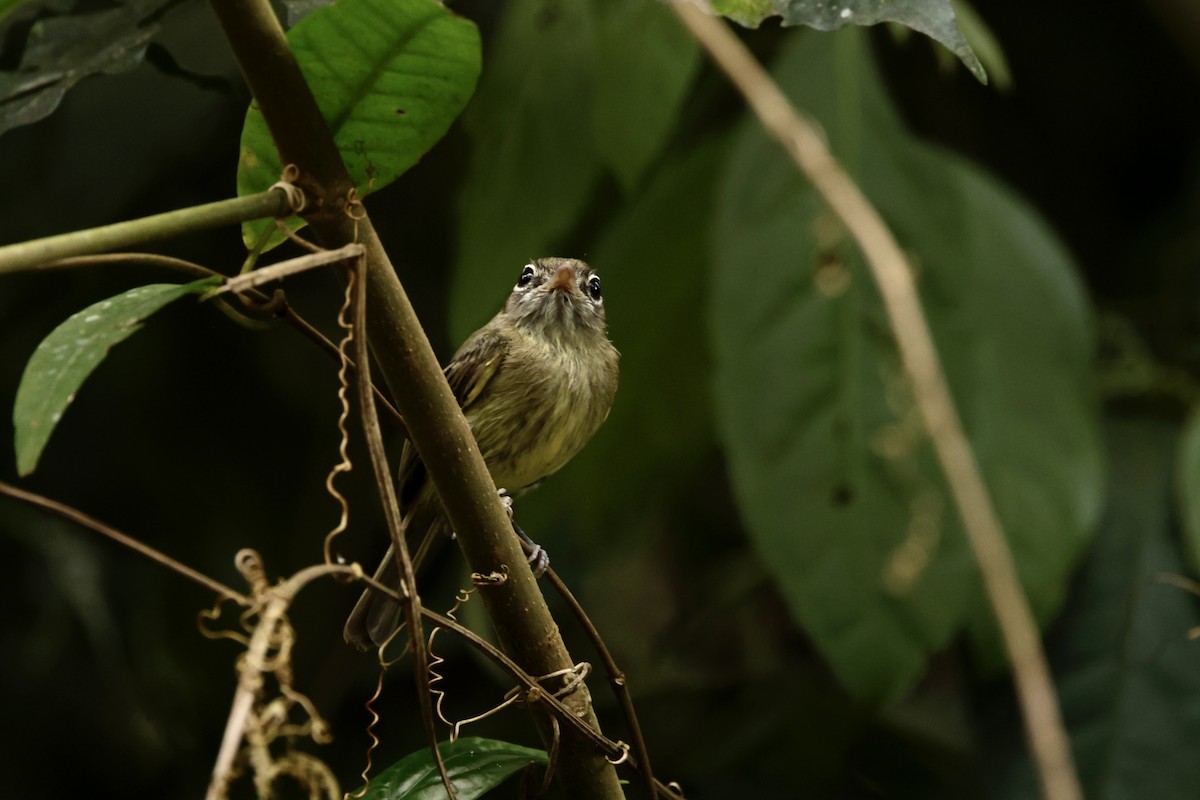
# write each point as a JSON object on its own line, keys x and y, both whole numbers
{"x": 475, "y": 363}
{"x": 468, "y": 373}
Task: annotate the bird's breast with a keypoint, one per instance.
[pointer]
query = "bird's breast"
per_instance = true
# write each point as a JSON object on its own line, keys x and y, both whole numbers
{"x": 540, "y": 408}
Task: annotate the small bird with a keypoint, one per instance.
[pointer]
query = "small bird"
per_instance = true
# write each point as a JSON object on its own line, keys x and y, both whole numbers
{"x": 534, "y": 383}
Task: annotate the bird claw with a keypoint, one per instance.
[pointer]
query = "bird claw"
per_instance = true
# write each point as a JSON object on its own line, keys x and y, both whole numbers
{"x": 535, "y": 554}
{"x": 507, "y": 500}
{"x": 538, "y": 558}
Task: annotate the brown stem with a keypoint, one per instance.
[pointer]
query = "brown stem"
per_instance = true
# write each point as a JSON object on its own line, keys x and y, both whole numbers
{"x": 411, "y": 602}
{"x": 435, "y": 423}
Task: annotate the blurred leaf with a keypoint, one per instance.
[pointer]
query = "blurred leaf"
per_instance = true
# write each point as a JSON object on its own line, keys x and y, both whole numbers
{"x": 645, "y": 63}
{"x": 65, "y": 358}
{"x": 653, "y": 267}
{"x": 6, "y": 7}
{"x": 1124, "y": 665}
{"x": 389, "y": 76}
{"x": 475, "y": 765}
{"x": 61, "y": 51}
{"x": 828, "y": 456}
{"x": 1127, "y": 671}
{"x": 299, "y": 9}
{"x": 660, "y": 267}
{"x": 534, "y": 163}
{"x": 934, "y": 18}
{"x": 985, "y": 44}
{"x": 1187, "y": 488}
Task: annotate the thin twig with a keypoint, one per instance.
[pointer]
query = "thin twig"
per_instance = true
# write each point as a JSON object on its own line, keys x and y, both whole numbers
{"x": 344, "y": 464}
{"x": 307, "y": 329}
{"x": 1035, "y": 689}
{"x": 276, "y": 604}
{"x": 141, "y": 259}
{"x": 616, "y": 678}
{"x": 396, "y": 527}
{"x": 78, "y": 517}
{"x": 235, "y": 725}
{"x": 603, "y": 743}
{"x": 286, "y": 312}
{"x": 612, "y": 750}
{"x": 292, "y": 266}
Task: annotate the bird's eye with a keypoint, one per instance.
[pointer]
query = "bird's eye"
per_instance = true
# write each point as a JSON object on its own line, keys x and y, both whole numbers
{"x": 593, "y": 287}
{"x": 526, "y": 275}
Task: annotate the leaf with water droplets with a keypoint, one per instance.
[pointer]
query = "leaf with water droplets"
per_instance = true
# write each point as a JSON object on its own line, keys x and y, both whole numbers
{"x": 65, "y": 358}
{"x": 934, "y": 18}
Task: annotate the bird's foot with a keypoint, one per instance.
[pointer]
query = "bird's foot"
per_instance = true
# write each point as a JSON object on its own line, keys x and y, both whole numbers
{"x": 507, "y": 500}
{"x": 535, "y": 554}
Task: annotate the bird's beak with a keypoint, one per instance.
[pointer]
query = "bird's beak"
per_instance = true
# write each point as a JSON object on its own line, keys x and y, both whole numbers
{"x": 564, "y": 279}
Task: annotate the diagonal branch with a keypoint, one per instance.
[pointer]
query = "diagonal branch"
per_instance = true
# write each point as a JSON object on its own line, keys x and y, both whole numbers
{"x": 435, "y": 423}
{"x": 616, "y": 677}
{"x": 1035, "y": 688}
{"x": 79, "y": 518}
{"x": 411, "y": 602}
{"x": 25, "y": 255}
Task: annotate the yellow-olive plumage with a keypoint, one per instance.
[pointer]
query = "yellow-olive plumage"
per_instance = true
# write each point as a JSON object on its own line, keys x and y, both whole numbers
{"x": 534, "y": 384}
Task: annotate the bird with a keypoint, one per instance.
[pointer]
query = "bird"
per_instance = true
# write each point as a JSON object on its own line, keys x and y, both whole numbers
{"x": 534, "y": 383}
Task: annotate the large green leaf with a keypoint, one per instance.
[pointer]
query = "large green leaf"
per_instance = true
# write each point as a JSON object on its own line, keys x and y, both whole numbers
{"x": 827, "y": 454}
{"x": 645, "y": 62}
{"x": 654, "y": 271}
{"x": 65, "y": 358}
{"x": 1123, "y": 661}
{"x": 389, "y": 76}
{"x": 1126, "y": 668}
{"x": 534, "y": 164}
{"x": 934, "y": 18}
{"x": 571, "y": 87}
{"x": 474, "y": 765}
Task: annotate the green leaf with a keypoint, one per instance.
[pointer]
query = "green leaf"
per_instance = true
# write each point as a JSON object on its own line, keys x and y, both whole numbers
{"x": 65, "y": 358}
{"x": 985, "y": 44}
{"x": 1123, "y": 660}
{"x": 61, "y": 51}
{"x": 475, "y": 766}
{"x": 827, "y": 453}
{"x": 654, "y": 272}
{"x": 390, "y": 76}
{"x": 1187, "y": 487}
{"x": 645, "y": 63}
{"x": 934, "y": 18}
{"x": 7, "y": 7}
{"x": 1125, "y": 664}
{"x": 534, "y": 164}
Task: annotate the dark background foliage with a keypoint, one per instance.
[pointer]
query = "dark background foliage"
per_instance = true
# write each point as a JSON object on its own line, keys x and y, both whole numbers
{"x": 201, "y": 438}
